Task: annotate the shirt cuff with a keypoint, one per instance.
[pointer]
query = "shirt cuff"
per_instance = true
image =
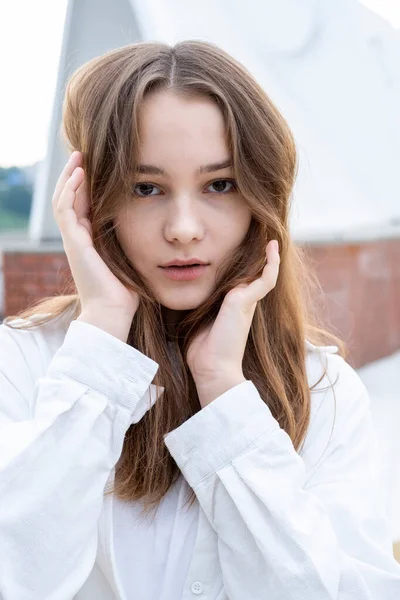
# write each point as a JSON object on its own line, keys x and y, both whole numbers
{"x": 104, "y": 363}
{"x": 220, "y": 432}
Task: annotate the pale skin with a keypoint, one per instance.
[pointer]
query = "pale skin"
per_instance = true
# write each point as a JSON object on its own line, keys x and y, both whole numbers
{"x": 184, "y": 204}
{"x": 182, "y": 207}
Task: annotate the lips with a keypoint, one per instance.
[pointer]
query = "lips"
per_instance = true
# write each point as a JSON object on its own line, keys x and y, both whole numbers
{"x": 185, "y": 273}
{"x": 183, "y": 266}
{"x": 180, "y": 262}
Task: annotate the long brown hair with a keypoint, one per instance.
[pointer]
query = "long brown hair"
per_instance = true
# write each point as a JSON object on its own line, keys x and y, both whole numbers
{"x": 100, "y": 119}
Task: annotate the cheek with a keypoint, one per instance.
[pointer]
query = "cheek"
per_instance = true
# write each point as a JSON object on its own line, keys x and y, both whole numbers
{"x": 246, "y": 220}
{"x": 236, "y": 225}
{"x": 133, "y": 239}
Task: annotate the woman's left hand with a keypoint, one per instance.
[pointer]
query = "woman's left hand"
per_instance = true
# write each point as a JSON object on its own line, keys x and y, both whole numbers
{"x": 216, "y": 354}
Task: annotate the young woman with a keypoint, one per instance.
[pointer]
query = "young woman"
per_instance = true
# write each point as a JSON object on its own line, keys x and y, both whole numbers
{"x": 177, "y": 427}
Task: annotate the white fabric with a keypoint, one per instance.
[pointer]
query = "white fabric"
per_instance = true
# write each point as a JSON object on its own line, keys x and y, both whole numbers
{"x": 159, "y": 545}
{"x": 272, "y": 523}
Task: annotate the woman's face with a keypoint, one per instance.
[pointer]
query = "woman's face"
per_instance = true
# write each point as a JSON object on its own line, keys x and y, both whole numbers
{"x": 184, "y": 204}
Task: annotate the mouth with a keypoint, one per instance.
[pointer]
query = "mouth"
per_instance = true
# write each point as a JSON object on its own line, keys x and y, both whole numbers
{"x": 184, "y": 266}
{"x": 185, "y": 272}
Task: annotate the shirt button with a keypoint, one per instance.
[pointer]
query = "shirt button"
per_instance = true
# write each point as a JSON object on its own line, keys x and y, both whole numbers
{"x": 197, "y": 587}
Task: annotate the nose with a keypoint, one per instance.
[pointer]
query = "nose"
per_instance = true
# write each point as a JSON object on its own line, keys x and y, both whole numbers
{"x": 183, "y": 223}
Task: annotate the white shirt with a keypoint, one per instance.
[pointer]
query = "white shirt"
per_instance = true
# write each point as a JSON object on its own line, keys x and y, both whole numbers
{"x": 161, "y": 546}
{"x": 272, "y": 523}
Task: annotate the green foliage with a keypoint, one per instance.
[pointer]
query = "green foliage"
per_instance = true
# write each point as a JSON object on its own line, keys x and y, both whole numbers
{"x": 16, "y": 199}
{"x": 12, "y": 221}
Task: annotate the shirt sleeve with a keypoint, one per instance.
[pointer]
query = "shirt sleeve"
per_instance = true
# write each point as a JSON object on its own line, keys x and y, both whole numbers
{"x": 60, "y": 437}
{"x": 285, "y": 531}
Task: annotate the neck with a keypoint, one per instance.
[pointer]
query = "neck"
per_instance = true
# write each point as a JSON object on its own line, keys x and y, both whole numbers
{"x": 172, "y": 318}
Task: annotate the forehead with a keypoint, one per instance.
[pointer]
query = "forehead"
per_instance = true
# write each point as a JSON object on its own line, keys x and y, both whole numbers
{"x": 170, "y": 123}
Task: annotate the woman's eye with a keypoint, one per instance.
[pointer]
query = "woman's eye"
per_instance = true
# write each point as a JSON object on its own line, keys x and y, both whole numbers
{"x": 146, "y": 189}
{"x": 221, "y": 186}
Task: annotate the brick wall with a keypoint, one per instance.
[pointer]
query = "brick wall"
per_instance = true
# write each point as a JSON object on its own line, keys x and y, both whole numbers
{"x": 362, "y": 285}
{"x": 361, "y": 281}
{"x": 30, "y": 276}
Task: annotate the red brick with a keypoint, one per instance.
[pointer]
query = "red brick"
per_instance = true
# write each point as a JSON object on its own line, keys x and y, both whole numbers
{"x": 361, "y": 283}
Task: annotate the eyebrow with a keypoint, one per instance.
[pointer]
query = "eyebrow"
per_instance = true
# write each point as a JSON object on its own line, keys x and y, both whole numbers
{"x": 211, "y": 168}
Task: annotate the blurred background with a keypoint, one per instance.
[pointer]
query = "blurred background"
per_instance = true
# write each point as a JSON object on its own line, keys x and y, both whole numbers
{"x": 331, "y": 66}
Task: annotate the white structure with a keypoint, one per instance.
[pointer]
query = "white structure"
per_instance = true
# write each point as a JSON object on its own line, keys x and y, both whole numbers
{"x": 333, "y": 68}
{"x": 382, "y": 381}
{"x": 91, "y": 28}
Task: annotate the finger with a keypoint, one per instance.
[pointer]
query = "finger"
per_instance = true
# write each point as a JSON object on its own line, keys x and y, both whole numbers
{"x": 81, "y": 201}
{"x": 258, "y": 288}
{"x": 64, "y": 209}
{"x": 273, "y": 256}
{"x": 74, "y": 161}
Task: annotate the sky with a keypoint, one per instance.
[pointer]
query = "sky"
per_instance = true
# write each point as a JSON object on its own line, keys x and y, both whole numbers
{"x": 30, "y": 44}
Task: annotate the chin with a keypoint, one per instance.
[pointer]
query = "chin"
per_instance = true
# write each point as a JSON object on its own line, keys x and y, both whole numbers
{"x": 183, "y": 300}
{"x": 181, "y": 305}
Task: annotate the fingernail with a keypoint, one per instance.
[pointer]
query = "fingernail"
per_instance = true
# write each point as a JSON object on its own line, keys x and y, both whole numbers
{"x": 275, "y": 246}
{"x": 71, "y": 158}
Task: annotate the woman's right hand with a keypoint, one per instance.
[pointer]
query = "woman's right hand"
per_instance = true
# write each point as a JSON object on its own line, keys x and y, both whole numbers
{"x": 99, "y": 290}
